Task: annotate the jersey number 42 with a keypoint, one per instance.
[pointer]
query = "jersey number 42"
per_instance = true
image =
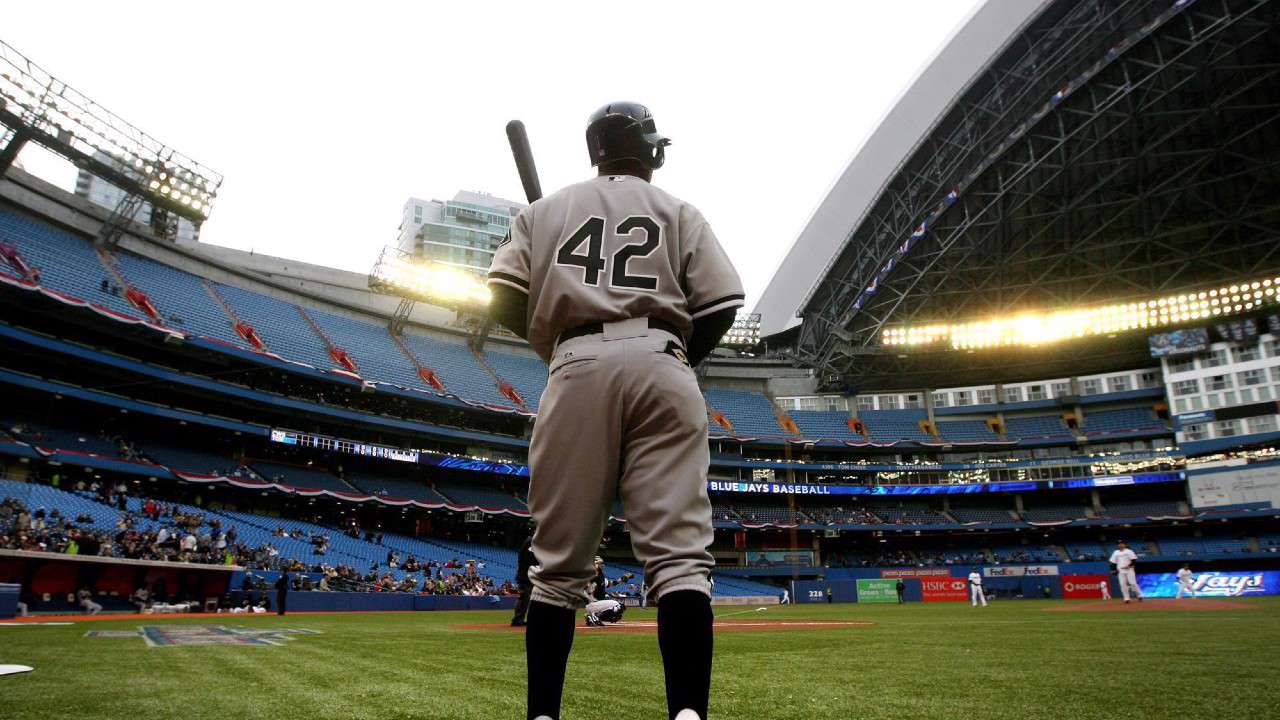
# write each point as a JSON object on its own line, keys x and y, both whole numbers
{"x": 593, "y": 261}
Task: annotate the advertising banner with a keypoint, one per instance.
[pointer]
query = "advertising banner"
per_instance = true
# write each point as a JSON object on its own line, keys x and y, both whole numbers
{"x": 1020, "y": 570}
{"x": 871, "y": 590}
{"x": 779, "y": 558}
{"x": 915, "y": 573}
{"x": 944, "y": 589}
{"x": 1083, "y": 587}
{"x": 767, "y": 488}
{"x": 1231, "y": 584}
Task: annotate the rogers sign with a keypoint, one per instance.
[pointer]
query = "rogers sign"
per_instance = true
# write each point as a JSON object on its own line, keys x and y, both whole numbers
{"x": 1083, "y": 587}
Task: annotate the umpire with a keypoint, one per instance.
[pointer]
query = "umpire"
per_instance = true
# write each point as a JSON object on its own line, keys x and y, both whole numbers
{"x": 282, "y": 591}
{"x": 526, "y": 561}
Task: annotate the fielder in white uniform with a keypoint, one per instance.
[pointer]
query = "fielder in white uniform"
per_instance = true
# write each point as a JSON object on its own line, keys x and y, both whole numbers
{"x": 1124, "y": 558}
{"x": 975, "y": 589}
{"x": 1186, "y": 580}
{"x": 1105, "y": 586}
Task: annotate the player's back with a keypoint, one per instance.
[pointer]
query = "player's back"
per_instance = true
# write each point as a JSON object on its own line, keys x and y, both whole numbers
{"x": 613, "y": 248}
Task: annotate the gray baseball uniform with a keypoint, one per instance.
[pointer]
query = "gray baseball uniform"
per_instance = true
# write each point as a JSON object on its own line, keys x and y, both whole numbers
{"x": 622, "y": 413}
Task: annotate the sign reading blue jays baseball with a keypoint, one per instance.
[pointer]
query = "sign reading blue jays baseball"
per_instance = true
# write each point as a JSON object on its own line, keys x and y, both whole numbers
{"x": 1229, "y": 584}
{"x": 966, "y": 489}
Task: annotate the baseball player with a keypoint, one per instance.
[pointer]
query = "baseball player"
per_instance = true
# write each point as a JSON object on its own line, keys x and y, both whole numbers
{"x": 622, "y": 289}
{"x": 1124, "y": 558}
{"x": 602, "y": 608}
{"x": 975, "y": 588}
{"x": 1105, "y": 586}
{"x": 1186, "y": 580}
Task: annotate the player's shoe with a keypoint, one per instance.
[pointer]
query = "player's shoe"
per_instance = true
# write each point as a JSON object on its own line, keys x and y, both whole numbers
{"x": 687, "y": 714}
{"x": 593, "y": 622}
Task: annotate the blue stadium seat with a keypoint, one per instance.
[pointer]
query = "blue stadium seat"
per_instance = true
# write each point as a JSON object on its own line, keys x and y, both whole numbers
{"x": 67, "y": 262}
{"x": 751, "y": 413}
{"x": 1035, "y": 427}
{"x": 895, "y": 425}
{"x": 824, "y": 424}
{"x": 1123, "y": 420}
{"x": 966, "y": 431}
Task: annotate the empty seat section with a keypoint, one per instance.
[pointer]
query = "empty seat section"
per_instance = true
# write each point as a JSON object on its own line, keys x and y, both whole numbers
{"x": 300, "y": 477}
{"x": 1143, "y": 509}
{"x": 894, "y": 425}
{"x": 481, "y": 495}
{"x": 457, "y": 367}
{"x": 966, "y": 431}
{"x": 179, "y": 293}
{"x": 67, "y": 262}
{"x": 1051, "y": 513}
{"x": 386, "y": 485}
{"x": 528, "y": 375}
{"x": 1126, "y": 419}
{"x": 371, "y": 346}
{"x": 986, "y": 514}
{"x": 1025, "y": 553}
{"x": 279, "y": 325}
{"x": 1035, "y": 426}
{"x": 751, "y": 413}
{"x": 826, "y": 424}
{"x": 908, "y": 514}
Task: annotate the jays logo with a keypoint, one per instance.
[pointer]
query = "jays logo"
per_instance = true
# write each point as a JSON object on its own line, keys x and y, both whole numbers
{"x": 171, "y": 635}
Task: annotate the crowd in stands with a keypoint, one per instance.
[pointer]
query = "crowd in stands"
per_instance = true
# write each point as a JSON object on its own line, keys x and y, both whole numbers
{"x": 158, "y": 531}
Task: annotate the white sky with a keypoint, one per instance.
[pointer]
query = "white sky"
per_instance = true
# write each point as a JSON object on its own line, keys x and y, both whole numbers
{"x": 324, "y": 118}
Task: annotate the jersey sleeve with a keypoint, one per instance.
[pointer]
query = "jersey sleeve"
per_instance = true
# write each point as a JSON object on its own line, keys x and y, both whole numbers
{"x": 709, "y": 280}
{"x": 510, "y": 265}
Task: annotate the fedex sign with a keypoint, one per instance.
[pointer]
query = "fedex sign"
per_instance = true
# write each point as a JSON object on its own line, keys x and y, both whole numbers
{"x": 1229, "y": 584}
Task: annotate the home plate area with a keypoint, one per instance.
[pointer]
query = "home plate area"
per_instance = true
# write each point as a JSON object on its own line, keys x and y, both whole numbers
{"x": 173, "y": 635}
{"x": 641, "y": 626}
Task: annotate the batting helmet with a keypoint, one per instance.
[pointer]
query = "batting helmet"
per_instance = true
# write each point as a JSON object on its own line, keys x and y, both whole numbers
{"x": 625, "y": 131}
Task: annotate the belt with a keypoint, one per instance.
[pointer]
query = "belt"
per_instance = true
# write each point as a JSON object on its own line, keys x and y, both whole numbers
{"x": 597, "y": 328}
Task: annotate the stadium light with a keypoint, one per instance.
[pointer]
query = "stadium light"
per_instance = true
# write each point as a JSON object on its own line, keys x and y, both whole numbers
{"x": 744, "y": 332}
{"x": 399, "y": 273}
{"x": 39, "y": 107}
{"x": 1031, "y": 329}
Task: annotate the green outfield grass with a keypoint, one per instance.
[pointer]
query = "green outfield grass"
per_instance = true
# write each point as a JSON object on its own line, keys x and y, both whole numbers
{"x": 1012, "y": 660}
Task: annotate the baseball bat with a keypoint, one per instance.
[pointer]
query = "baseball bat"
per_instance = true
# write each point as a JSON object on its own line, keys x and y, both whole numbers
{"x": 523, "y": 154}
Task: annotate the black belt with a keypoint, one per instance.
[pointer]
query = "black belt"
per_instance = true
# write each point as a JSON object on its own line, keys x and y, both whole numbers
{"x": 597, "y": 328}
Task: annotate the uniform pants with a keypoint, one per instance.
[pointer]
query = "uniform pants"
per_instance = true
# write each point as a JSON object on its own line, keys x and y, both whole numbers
{"x": 977, "y": 596}
{"x": 1185, "y": 587}
{"x": 620, "y": 417}
{"x": 1106, "y": 589}
{"x": 598, "y": 606}
{"x": 1128, "y": 579}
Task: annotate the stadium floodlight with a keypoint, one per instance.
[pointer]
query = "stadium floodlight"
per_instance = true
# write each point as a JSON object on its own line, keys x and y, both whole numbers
{"x": 399, "y": 273}
{"x": 35, "y": 106}
{"x": 1031, "y": 329}
{"x": 744, "y": 332}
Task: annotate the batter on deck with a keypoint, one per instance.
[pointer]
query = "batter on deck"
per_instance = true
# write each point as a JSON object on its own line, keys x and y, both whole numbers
{"x": 622, "y": 289}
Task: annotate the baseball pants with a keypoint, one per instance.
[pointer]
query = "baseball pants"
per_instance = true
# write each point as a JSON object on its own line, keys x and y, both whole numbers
{"x": 1105, "y": 586}
{"x": 620, "y": 417}
{"x": 1128, "y": 579}
{"x": 977, "y": 596}
{"x": 1185, "y": 587}
{"x": 598, "y": 606}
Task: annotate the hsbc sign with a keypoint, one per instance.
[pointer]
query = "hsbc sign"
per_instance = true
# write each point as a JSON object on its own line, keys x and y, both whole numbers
{"x": 944, "y": 589}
